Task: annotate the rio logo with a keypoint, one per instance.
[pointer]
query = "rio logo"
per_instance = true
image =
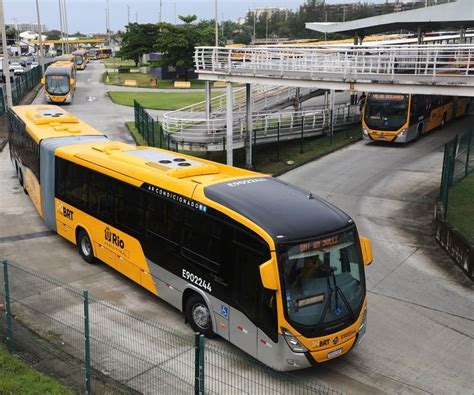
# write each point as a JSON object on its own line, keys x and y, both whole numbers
{"x": 113, "y": 238}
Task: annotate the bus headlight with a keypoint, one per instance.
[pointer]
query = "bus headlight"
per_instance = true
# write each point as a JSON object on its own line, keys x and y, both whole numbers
{"x": 403, "y": 132}
{"x": 363, "y": 322}
{"x": 293, "y": 342}
{"x": 364, "y": 132}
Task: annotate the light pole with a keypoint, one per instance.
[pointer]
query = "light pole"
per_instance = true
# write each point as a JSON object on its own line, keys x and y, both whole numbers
{"x": 66, "y": 25}
{"x": 6, "y": 65}
{"x": 61, "y": 24}
{"x": 254, "y": 26}
{"x": 161, "y": 11}
{"x": 216, "y": 23}
{"x": 40, "y": 38}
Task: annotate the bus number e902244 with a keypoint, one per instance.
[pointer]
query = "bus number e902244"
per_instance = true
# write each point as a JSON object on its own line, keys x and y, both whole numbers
{"x": 197, "y": 280}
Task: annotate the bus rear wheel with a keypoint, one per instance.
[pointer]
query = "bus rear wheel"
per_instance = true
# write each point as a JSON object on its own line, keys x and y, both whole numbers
{"x": 198, "y": 315}
{"x": 84, "y": 246}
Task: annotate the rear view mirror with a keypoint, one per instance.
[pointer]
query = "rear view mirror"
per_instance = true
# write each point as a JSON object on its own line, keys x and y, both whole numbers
{"x": 269, "y": 275}
{"x": 366, "y": 248}
{"x": 72, "y": 81}
{"x": 43, "y": 81}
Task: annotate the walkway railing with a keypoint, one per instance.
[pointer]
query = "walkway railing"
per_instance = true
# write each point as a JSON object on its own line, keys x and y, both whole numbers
{"x": 210, "y": 134}
{"x": 388, "y": 62}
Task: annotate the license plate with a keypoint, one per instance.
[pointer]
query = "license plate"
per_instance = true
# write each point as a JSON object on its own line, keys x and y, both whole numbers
{"x": 334, "y": 353}
{"x": 382, "y": 138}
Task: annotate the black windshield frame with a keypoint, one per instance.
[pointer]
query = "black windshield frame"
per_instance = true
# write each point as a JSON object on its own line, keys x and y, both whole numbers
{"x": 324, "y": 327}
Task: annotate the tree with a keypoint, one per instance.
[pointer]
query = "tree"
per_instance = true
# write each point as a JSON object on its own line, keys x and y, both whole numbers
{"x": 138, "y": 39}
{"x": 177, "y": 43}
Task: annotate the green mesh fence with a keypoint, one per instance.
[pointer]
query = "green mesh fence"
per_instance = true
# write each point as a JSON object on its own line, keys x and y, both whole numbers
{"x": 3, "y": 102}
{"x": 457, "y": 182}
{"x": 126, "y": 353}
{"x": 147, "y": 127}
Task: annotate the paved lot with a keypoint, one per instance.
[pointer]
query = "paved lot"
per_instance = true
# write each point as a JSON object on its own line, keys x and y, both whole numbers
{"x": 420, "y": 328}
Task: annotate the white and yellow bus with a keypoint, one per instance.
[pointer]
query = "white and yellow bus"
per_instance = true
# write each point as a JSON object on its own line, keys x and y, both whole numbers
{"x": 273, "y": 269}
{"x": 60, "y": 82}
{"x": 402, "y": 118}
{"x": 80, "y": 58}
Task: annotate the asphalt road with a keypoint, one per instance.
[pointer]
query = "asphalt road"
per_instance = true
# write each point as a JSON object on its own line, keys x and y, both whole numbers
{"x": 421, "y": 316}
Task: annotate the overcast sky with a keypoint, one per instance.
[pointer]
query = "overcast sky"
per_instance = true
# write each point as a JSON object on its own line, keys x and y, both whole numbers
{"x": 88, "y": 16}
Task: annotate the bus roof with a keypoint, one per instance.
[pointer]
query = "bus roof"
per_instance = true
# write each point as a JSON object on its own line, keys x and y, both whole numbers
{"x": 278, "y": 208}
{"x": 59, "y": 68}
{"x": 47, "y": 121}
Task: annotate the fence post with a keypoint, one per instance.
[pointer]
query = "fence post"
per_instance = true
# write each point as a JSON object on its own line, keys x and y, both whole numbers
{"x": 8, "y": 312}
{"x": 199, "y": 364}
{"x": 87, "y": 346}
{"x": 278, "y": 142}
{"x": 469, "y": 141}
{"x": 302, "y": 134}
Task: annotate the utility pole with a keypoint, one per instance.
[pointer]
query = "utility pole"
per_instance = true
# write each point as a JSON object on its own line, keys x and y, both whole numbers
{"x": 40, "y": 38}
{"x": 68, "y": 49}
{"x": 61, "y": 24}
{"x": 216, "y": 27}
{"x": 254, "y": 26}
{"x": 6, "y": 63}
{"x": 136, "y": 16}
{"x": 266, "y": 27}
{"x": 161, "y": 11}
{"x": 128, "y": 13}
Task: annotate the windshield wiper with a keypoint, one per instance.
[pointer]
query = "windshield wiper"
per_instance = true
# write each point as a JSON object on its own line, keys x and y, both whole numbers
{"x": 332, "y": 271}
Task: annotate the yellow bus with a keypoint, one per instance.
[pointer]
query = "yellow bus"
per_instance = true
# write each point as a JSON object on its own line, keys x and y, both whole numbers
{"x": 80, "y": 58}
{"x": 273, "y": 269}
{"x": 67, "y": 57}
{"x": 60, "y": 82}
{"x": 402, "y": 118}
{"x": 100, "y": 53}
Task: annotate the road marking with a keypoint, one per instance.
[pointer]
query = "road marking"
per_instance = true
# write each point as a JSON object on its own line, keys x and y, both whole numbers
{"x": 27, "y": 236}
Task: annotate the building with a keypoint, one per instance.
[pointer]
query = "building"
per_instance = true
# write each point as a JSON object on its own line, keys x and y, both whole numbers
{"x": 30, "y": 27}
{"x": 269, "y": 11}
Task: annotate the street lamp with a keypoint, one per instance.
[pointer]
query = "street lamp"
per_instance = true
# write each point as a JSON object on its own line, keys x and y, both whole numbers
{"x": 40, "y": 38}
{"x": 6, "y": 66}
{"x": 216, "y": 24}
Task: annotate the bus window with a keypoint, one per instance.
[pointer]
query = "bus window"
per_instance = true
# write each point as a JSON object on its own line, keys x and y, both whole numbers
{"x": 101, "y": 196}
{"x": 245, "y": 283}
{"x": 57, "y": 84}
{"x": 76, "y": 185}
{"x": 130, "y": 203}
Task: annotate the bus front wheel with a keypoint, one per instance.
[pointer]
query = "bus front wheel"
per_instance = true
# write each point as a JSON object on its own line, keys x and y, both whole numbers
{"x": 199, "y": 316}
{"x": 84, "y": 245}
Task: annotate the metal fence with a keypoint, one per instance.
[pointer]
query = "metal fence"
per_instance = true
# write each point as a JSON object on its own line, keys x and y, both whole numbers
{"x": 21, "y": 85}
{"x": 458, "y": 163}
{"x": 125, "y": 353}
{"x": 147, "y": 127}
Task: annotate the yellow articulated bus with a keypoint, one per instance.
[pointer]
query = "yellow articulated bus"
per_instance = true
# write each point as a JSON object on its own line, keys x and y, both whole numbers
{"x": 80, "y": 58}
{"x": 273, "y": 269}
{"x": 100, "y": 53}
{"x": 60, "y": 82}
{"x": 402, "y": 118}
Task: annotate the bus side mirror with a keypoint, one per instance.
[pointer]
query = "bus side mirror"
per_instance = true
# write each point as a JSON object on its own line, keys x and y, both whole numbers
{"x": 366, "y": 247}
{"x": 43, "y": 81}
{"x": 269, "y": 275}
{"x": 72, "y": 81}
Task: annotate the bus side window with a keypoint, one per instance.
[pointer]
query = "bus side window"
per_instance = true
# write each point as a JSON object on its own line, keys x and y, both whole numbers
{"x": 77, "y": 181}
{"x": 130, "y": 207}
{"x": 101, "y": 196}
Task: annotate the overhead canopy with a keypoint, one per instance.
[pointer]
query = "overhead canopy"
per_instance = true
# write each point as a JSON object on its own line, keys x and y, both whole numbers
{"x": 450, "y": 15}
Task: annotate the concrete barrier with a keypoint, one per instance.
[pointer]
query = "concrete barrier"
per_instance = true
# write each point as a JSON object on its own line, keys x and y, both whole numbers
{"x": 457, "y": 245}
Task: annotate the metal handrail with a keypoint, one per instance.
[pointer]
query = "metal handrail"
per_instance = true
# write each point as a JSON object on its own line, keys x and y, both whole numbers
{"x": 347, "y": 62}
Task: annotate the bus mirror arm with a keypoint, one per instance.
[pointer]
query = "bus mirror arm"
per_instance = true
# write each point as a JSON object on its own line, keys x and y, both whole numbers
{"x": 43, "y": 81}
{"x": 269, "y": 276}
{"x": 366, "y": 248}
{"x": 72, "y": 81}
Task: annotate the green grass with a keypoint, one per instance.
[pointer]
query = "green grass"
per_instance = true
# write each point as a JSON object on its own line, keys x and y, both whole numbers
{"x": 109, "y": 63}
{"x": 158, "y": 100}
{"x": 266, "y": 156}
{"x": 143, "y": 81}
{"x": 461, "y": 207}
{"x": 17, "y": 378}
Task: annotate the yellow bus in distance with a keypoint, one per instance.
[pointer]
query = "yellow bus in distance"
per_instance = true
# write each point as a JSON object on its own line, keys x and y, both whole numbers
{"x": 60, "y": 82}
{"x": 273, "y": 269}
{"x": 402, "y": 118}
{"x": 80, "y": 58}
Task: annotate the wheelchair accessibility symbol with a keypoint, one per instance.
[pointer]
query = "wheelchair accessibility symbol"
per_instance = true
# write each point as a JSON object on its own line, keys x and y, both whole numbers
{"x": 224, "y": 311}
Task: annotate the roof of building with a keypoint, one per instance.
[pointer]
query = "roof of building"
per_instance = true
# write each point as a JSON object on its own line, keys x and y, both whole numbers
{"x": 455, "y": 15}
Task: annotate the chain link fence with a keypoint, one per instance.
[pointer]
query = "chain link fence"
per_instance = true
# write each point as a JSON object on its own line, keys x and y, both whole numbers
{"x": 457, "y": 185}
{"x": 3, "y": 101}
{"x": 147, "y": 127}
{"x": 114, "y": 351}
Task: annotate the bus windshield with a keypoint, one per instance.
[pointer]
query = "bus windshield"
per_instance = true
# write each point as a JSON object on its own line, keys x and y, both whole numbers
{"x": 324, "y": 279}
{"x": 78, "y": 59}
{"x": 385, "y": 111}
{"x": 57, "y": 84}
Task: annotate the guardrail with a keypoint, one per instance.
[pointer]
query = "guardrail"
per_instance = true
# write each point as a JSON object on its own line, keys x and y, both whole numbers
{"x": 194, "y": 133}
{"x": 347, "y": 63}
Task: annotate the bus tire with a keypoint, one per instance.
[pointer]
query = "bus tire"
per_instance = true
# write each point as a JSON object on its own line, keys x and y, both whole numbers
{"x": 198, "y": 315}
{"x": 84, "y": 246}
{"x": 20, "y": 177}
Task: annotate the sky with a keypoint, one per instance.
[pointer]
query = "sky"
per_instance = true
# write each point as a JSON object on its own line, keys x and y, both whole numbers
{"x": 88, "y": 16}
